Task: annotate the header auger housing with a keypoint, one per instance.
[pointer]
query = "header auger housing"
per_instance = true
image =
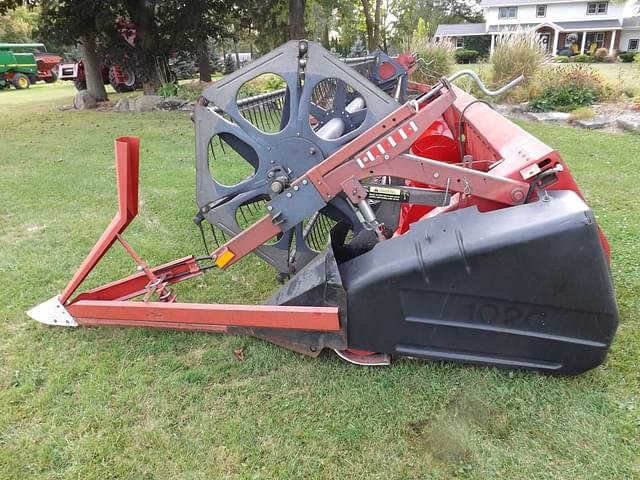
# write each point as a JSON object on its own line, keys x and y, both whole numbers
{"x": 404, "y": 219}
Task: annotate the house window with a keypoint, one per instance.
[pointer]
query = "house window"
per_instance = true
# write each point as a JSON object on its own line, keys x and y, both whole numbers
{"x": 633, "y": 44}
{"x": 597, "y": 38}
{"x": 600, "y": 40}
{"x": 508, "y": 12}
{"x": 541, "y": 11}
{"x": 459, "y": 42}
{"x": 597, "y": 8}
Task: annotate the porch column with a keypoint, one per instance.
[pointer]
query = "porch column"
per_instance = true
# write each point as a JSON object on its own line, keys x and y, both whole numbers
{"x": 613, "y": 42}
{"x": 493, "y": 43}
{"x": 584, "y": 39}
{"x": 556, "y": 36}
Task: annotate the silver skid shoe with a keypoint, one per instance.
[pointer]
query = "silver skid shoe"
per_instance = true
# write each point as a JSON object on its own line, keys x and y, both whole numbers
{"x": 52, "y": 312}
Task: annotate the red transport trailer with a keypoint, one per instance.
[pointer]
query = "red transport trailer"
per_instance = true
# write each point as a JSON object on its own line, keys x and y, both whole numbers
{"x": 47, "y": 64}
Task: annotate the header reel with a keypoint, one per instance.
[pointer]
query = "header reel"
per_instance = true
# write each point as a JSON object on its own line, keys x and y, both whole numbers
{"x": 270, "y": 140}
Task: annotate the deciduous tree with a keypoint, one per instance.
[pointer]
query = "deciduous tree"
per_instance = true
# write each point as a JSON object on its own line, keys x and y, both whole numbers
{"x": 84, "y": 22}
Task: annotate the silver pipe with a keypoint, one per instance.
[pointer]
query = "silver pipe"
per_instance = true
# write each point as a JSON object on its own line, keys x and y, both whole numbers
{"x": 481, "y": 86}
{"x": 474, "y": 76}
{"x": 331, "y": 130}
{"x": 355, "y": 105}
{"x": 334, "y": 128}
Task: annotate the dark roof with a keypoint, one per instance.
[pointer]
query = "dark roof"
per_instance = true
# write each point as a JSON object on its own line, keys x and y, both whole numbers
{"x": 453, "y": 29}
{"x": 631, "y": 22}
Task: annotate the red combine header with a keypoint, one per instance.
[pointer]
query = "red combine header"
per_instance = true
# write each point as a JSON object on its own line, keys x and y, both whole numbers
{"x": 404, "y": 219}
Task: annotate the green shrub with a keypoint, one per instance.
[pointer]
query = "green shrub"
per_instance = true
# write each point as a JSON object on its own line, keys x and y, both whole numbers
{"x": 601, "y": 54}
{"x": 436, "y": 60}
{"x": 188, "y": 91}
{"x": 564, "y": 98}
{"x": 167, "y": 90}
{"x": 582, "y": 113}
{"x": 464, "y": 55}
{"x": 576, "y": 76}
{"x": 264, "y": 83}
{"x": 516, "y": 53}
{"x": 561, "y": 59}
{"x": 636, "y": 58}
{"x": 479, "y": 43}
{"x": 627, "y": 57}
{"x": 583, "y": 58}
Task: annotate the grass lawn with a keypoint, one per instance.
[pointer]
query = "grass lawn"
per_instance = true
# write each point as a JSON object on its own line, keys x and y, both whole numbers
{"x": 118, "y": 403}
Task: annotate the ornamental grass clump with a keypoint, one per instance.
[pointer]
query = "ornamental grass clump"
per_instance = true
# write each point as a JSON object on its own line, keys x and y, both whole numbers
{"x": 516, "y": 52}
{"x": 435, "y": 60}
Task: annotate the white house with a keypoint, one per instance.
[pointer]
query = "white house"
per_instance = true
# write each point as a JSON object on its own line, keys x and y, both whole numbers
{"x": 607, "y": 24}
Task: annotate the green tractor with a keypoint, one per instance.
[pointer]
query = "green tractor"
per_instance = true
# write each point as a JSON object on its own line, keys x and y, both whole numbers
{"x": 16, "y": 69}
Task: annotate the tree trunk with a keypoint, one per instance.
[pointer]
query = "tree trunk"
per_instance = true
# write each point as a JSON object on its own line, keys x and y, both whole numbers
{"x": 296, "y": 19}
{"x": 376, "y": 26}
{"x": 95, "y": 85}
{"x": 204, "y": 66}
{"x": 368, "y": 20}
{"x": 236, "y": 47}
{"x": 143, "y": 16}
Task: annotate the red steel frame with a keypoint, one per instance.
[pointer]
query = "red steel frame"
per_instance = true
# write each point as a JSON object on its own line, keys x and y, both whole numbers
{"x": 377, "y": 152}
{"x": 107, "y": 305}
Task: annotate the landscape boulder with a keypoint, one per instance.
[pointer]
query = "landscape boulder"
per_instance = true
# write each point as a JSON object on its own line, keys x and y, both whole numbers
{"x": 548, "y": 117}
{"x": 84, "y": 101}
{"x": 144, "y": 103}
{"x": 630, "y": 122}
{"x": 122, "y": 105}
{"x": 594, "y": 123}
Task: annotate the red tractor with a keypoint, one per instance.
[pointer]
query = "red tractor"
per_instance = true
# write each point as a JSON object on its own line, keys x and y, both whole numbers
{"x": 121, "y": 79}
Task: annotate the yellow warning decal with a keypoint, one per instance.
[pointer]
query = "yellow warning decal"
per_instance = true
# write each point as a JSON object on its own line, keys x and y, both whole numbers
{"x": 388, "y": 193}
{"x": 385, "y": 190}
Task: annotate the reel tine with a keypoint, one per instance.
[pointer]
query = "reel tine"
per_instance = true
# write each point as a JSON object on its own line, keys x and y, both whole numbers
{"x": 309, "y": 234}
{"x": 213, "y": 150}
{"x": 222, "y": 145}
{"x": 315, "y": 242}
{"x": 204, "y": 238}
{"x": 259, "y": 110}
{"x": 270, "y": 112}
{"x": 251, "y": 109}
{"x": 215, "y": 237}
{"x": 241, "y": 210}
{"x": 326, "y": 227}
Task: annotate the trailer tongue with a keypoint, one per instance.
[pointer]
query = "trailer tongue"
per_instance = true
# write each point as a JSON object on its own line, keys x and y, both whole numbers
{"x": 431, "y": 227}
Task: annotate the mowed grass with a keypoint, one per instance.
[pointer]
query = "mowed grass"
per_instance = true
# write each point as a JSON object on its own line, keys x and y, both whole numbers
{"x": 125, "y": 403}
